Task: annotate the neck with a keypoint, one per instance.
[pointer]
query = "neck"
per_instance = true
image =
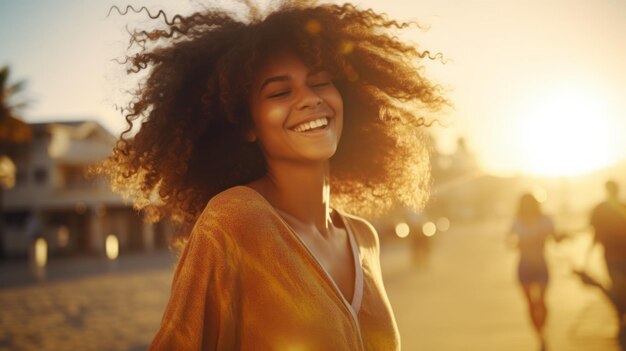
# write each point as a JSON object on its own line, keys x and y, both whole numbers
{"x": 301, "y": 192}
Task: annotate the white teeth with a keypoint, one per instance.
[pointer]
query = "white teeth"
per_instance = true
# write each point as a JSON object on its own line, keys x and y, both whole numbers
{"x": 310, "y": 125}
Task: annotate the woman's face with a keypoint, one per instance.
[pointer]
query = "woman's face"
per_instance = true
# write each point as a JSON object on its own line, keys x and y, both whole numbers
{"x": 297, "y": 113}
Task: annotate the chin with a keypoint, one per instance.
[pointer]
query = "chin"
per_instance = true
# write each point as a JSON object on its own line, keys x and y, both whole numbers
{"x": 320, "y": 155}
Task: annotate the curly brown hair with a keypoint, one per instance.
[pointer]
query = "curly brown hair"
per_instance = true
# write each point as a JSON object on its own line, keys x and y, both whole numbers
{"x": 193, "y": 106}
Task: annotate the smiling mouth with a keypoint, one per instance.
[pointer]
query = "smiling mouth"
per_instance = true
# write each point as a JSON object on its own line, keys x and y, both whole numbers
{"x": 316, "y": 124}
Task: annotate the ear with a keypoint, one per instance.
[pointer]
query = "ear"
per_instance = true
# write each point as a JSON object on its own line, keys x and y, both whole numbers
{"x": 250, "y": 136}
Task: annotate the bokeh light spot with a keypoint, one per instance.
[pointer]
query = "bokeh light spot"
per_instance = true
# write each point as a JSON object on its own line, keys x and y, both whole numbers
{"x": 429, "y": 229}
{"x": 402, "y": 230}
{"x": 313, "y": 26}
{"x": 63, "y": 236}
{"x": 443, "y": 224}
{"x": 41, "y": 252}
{"x": 346, "y": 47}
{"x": 112, "y": 247}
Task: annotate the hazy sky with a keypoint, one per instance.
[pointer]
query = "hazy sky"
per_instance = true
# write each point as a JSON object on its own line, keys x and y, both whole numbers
{"x": 538, "y": 86}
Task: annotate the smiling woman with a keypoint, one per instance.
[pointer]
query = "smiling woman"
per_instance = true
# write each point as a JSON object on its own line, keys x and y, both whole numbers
{"x": 249, "y": 122}
{"x": 566, "y": 133}
{"x": 311, "y": 128}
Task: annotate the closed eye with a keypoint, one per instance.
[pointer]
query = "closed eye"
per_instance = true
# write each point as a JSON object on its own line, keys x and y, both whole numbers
{"x": 321, "y": 84}
{"x": 279, "y": 94}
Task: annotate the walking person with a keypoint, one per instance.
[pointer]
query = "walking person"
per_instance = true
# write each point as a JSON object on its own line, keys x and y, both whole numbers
{"x": 608, "y": 220}
{"x": 529, "y": 232}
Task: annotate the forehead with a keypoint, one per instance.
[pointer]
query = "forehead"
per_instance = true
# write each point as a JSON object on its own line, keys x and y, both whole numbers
{"x": 281, "y": 63}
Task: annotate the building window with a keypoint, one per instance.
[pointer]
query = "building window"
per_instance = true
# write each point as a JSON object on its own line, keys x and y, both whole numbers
{"x": 20, "y": 177}
{"x": 15, "y": 219}
{"x": 40, "y": 175}
{"x": 74, "y": 176}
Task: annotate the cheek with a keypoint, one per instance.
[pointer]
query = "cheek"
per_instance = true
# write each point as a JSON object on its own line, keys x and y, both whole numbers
{"x": 334, "y": 98}
{"x": 275, "y": 115}
{"x": 269, "y": 124}
{"x": 336, "y": 103}
{"x": 269, "y": 117}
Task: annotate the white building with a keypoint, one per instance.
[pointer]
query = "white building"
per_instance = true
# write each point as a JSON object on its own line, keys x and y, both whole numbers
{"x": 54, "y": 198}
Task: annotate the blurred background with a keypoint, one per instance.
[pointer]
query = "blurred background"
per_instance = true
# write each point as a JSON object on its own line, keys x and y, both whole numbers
{"x": 539, "y": 93}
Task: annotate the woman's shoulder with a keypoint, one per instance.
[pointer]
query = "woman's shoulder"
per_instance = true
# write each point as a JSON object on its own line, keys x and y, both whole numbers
{"x": 363, "y": 230}
{"x": 238, "y": 200}
{"x": 235, "y": 195}
{"x": 233, "y": 209}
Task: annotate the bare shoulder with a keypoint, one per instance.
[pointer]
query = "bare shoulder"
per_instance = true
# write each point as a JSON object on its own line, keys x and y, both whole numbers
{"x": 363, "y": 230}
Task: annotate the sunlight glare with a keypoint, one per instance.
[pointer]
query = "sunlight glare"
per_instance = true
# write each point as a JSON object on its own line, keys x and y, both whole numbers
{"x": 565, "y": 134}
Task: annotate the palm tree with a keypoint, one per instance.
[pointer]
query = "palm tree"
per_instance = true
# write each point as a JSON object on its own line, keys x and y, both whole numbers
{"x": 12, "y": 131}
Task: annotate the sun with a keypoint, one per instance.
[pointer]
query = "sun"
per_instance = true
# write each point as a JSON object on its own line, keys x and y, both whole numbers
{"x": 565, "y": 134}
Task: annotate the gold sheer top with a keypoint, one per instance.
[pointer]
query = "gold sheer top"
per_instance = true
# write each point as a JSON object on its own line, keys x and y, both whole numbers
{"x": 245, "y": 281}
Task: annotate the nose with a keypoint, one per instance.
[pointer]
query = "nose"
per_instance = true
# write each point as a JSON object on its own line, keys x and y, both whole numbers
{"x": 308, "y": 98}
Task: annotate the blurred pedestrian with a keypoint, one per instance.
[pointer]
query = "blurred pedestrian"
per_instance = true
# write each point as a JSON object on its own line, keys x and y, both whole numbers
{"x": 608, "y": 219}
{"x": 531, "y": 228}
{"x": 241, "y": 119}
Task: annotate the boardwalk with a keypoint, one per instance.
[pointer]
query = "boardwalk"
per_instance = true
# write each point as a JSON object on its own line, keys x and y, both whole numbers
{"x": 463, "y": 298}
{"x": 466, "y": 297}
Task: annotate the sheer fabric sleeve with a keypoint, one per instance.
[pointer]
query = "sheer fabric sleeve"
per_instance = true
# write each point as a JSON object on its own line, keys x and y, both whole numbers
{"x": 202, "y": 310}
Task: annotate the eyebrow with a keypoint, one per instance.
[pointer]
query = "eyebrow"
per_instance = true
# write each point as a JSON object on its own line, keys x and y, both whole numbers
{"x": 272, "y": 80}
{"x": 285, "y": 78}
